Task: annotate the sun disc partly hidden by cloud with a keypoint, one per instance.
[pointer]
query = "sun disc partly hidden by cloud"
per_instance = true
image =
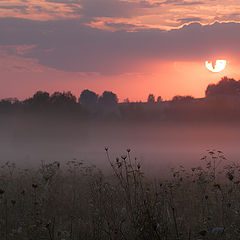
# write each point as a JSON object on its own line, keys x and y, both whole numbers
{"x": 217, "y": 66}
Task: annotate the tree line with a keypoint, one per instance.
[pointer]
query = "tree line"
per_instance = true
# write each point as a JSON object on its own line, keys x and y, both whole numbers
{"x": 221, "y": 100}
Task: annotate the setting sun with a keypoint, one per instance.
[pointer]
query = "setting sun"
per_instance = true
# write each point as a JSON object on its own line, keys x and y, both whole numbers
{"x": 217, "y": 66}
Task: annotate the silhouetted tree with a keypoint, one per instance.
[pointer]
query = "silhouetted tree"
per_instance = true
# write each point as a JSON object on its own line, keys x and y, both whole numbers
{"x": 88, "y": 98}
{"x": 40, "y": 98}
{"x": 38, "y": 102}
{"x": 108, "y": 99}
{"x": 226, "y": 86}
{"x": 5, "y": 106}
{"x": 11, "y": 100}
{"x": 151, "y": 98}
{"x": 8, "y": 105}
{"x": 63, "y": 98}
{"x": 182, "y": 99}
{"x": 159, "y": 99}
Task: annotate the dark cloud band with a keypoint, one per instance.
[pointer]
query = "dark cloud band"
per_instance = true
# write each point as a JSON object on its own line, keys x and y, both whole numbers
{"x": 68, "y": 45}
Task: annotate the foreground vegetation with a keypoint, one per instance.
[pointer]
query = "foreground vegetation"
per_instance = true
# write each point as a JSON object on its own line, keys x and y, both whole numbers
{"x": 76, "y": 201}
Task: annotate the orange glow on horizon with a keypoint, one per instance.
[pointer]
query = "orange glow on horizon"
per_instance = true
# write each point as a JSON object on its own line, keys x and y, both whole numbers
{"x": 161, "y": 78}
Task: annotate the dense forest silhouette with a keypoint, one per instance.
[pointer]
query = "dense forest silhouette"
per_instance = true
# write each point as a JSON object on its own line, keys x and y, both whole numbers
{"x": 221, "y": 103}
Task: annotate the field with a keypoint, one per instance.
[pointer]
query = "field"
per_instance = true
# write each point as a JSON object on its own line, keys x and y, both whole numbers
{"x": 61, "y": 201}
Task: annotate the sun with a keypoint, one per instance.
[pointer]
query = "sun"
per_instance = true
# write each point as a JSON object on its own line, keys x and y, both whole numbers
{"x": 216, "y": 66}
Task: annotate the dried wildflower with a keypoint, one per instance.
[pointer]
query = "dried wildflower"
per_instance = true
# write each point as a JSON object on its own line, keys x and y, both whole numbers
{"x": 230, "y": 176}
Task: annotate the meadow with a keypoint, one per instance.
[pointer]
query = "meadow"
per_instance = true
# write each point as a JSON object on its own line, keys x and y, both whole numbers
{"x": 72, "y": 200}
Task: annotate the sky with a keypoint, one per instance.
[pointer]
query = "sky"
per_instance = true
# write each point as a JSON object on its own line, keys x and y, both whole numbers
{"x": 130, "y": 47}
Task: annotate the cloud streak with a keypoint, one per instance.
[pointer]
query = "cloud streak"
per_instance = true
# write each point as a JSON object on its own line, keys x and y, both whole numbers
{"x": 162, "y": 14}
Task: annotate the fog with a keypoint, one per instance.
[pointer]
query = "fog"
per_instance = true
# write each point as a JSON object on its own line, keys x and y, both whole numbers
{"x": 156, "y": 145}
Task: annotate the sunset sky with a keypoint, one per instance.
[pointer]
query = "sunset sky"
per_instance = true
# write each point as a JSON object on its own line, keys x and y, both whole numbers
{"x": 131, "y": 47}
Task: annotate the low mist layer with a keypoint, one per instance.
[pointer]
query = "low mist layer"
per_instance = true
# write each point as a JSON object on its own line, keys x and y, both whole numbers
{"x": 157, "y": 145}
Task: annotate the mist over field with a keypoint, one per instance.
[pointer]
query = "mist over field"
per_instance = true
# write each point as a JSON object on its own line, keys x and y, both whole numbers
{"x": 161, "y": 134}
{"x": 27, "y": 141}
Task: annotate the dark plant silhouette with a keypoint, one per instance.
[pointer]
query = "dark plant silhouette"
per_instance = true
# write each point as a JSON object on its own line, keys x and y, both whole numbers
{"x": 73, "y": 200}
{"x": 182, "y": 99}
{"x": 220, "y": 104}
{"x": 159, "y": 99}
{"x": 64, "y": 98}
{"x": 151, "y": 98}
{"x": 108, "y": 99}
{"x": 41, "y": 97}
{"x": 88, "y": 98}
{"x": 227, "y": 86}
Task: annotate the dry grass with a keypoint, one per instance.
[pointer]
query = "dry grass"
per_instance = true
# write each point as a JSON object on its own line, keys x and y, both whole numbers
{"x": 78, "y": 202}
